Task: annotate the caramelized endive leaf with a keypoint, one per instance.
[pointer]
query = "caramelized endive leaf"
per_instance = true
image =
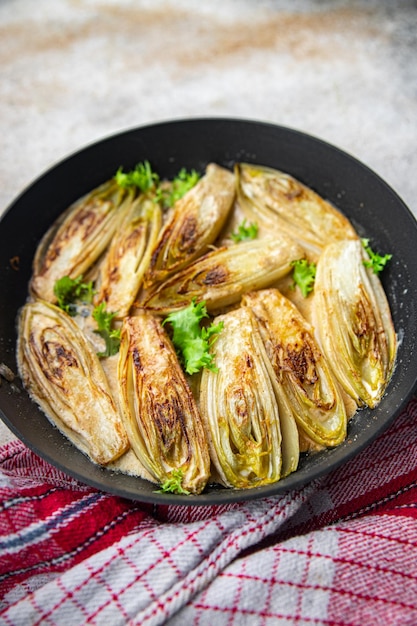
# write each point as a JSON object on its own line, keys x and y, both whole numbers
{"x": 240, "y": 410}
{"x": 276, "y": 200}
{"x": 128, "y": 256}
{"x": 300, "y": 367}
{"x": 159, "y": 412}
{"x": 221, "y": 277}
{"x": 194, "y": 223}
{"x": 353, "y": 322}
{"x": 63, "y": 375}
{"x": 78, "y": 238}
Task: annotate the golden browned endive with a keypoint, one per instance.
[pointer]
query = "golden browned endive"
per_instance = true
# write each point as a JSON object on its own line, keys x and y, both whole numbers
{"x": 276, "y": 200}
{"x": 127, "y": 258}
{"x": 159, "y": 411}
{"x": 300, "y": 367}
{"x": 353, "y": 321}
{"x": 64, "y": 376}
{"x": 222, "y": 276}
{"x": 240, "y": 410}
{"x": 76, "y": 241}
{"x": 194, "y": 223}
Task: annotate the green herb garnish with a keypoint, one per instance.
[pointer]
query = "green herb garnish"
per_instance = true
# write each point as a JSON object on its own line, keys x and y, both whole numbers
{"x": 173, "y": 484}
{"x": 68, "y": 290}
{"x": 304, "y": 275}
{"x": 192, "y": 341}
{"x": 177, "y": 188}
{"x": 142, "y": 177}
{"x": 376, "y": 262}
{"x": 146, "y": 180}
{"x": 110, "y": 335}
{"x": 245, "y": 232}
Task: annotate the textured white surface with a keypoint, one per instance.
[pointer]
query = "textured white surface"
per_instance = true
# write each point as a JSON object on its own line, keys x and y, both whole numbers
{"x": 74, "y": 71}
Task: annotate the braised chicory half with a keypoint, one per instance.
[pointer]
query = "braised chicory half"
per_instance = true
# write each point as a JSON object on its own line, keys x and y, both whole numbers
{"x": 206, "y": 329}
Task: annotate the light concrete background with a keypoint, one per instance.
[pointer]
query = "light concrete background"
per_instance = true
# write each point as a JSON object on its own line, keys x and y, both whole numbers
{"x": 75, "y": 71}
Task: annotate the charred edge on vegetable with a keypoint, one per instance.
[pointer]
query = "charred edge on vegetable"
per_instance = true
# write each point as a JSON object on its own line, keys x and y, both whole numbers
{"x": 216, "y": 276}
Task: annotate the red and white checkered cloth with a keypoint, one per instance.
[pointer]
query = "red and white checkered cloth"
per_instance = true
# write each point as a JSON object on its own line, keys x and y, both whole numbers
{"x": 342, "y": 551}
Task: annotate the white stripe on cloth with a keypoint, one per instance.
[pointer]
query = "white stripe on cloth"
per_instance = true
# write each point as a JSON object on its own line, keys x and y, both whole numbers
{"x": 43, "y": 530}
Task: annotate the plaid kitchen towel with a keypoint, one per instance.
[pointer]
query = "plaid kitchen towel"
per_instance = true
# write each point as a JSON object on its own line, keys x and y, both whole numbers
{"x": 342, "y": 551}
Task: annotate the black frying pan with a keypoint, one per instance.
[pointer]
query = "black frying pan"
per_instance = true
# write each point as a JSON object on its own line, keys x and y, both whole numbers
{"x": 373, "y": 207}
